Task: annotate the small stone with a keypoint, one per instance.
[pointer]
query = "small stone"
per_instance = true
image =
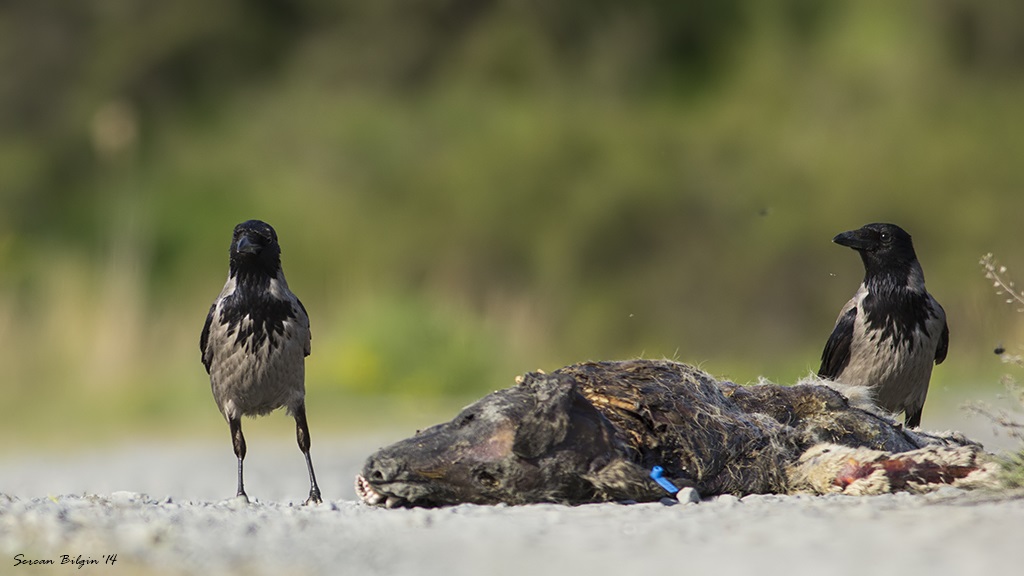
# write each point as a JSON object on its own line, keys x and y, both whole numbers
{"x": 725, "y": 500}
{"x": 688, "y": 495}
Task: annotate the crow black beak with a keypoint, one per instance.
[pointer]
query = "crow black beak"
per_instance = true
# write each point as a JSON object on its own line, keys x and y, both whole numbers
{"x": 855, "y": 239}
{"x": 246, "y": 246}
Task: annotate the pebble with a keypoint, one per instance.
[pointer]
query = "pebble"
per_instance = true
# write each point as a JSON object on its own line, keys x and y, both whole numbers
{"x": 724, "y": 500}
{"x": 762, "y": 498}
{"x": 688, "y": 495}
{"x": 124, "y": 496}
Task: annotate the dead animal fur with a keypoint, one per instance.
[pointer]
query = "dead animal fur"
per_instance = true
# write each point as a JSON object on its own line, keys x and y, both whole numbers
{"x": 592, "y": 432}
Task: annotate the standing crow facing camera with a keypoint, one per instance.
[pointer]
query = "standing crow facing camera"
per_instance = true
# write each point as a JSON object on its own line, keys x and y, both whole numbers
{"x": 255, "y": 342}
{"x": 889, "y": 335}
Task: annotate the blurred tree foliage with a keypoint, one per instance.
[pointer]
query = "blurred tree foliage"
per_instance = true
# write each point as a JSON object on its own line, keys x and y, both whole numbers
{"x": 466, "y": 189}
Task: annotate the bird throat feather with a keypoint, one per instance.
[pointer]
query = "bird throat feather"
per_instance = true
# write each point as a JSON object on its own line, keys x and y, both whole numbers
{"x": 256, "y": 310}
{"x": 897, "y": 305}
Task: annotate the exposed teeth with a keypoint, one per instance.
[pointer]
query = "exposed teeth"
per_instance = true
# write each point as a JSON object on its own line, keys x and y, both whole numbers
{"x": 371, "y": 496}
{"x": 366, "y": 492}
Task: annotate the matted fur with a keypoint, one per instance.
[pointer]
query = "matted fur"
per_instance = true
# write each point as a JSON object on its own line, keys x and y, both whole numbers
{"x": 592, "y": 432}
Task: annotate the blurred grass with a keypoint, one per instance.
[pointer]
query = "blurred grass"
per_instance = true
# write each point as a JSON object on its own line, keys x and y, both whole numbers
{"x": 469, "y": 190}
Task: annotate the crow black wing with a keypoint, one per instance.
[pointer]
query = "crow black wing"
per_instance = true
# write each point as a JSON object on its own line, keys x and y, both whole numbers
{"x": 940, "y": 352}
{"x": 836, "y": 354}
{"x": 205, "y": 338}
{"x": 306, "y": 315}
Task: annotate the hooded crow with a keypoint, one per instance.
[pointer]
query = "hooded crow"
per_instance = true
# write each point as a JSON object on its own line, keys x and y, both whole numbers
{"x": 255, "y": 342}
{"x": 891, "y": 333}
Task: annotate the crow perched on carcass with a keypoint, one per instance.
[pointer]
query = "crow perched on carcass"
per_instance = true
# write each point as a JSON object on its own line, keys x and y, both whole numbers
{"x": 255, "y": 341}
{"x": 891, "y": 333}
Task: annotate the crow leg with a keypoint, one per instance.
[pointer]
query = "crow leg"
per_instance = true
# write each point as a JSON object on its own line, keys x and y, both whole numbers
{"x": 302, "y": 435}
{"x": 238, "y": 441}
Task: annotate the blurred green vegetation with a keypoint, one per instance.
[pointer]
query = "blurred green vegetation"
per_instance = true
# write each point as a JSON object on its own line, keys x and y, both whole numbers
{"x": 469, "y": 189}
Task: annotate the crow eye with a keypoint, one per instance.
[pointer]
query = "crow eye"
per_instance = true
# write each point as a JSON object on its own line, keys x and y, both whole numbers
{"x": 884, "y": 236}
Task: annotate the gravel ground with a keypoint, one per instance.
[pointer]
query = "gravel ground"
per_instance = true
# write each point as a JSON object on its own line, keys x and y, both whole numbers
{"x": 161, "y": 510}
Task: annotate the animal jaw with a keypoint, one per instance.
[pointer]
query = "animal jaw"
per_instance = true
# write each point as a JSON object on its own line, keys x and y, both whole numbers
{"x": 370, "y": 495}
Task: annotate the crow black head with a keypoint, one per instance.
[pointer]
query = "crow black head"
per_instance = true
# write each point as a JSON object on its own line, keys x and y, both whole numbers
{"x": 254, "y": 249}
{"x": 883, "y": 247}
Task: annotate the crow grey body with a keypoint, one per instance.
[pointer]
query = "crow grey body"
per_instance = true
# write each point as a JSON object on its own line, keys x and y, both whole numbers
{"x": 251, "y": 375}
{"x": 255, "y": 341}
{"x": 892, "y": 332}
